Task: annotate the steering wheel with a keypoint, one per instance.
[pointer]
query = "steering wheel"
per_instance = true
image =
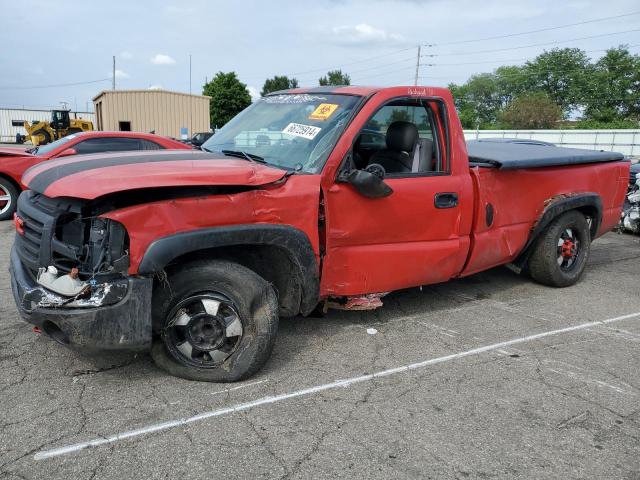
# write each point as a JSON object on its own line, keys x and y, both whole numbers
{"x": 376, "y": 169}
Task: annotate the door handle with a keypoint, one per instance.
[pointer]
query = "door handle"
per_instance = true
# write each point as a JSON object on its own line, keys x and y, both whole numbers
{"x": 446, "y": 200}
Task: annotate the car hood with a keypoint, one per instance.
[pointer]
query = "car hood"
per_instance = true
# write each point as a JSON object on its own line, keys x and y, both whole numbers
{"x": 92, "y": 176}
{"x": 14, "y": 152}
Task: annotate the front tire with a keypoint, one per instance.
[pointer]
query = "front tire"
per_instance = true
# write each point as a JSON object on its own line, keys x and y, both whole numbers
{"x": 561, "y": 252}
{"x": 8, "y": 199}
{"x": 214, "y": 321}
{"x": 43, "y": 136}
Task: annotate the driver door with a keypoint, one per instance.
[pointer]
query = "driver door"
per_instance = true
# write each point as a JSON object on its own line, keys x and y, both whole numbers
{"x": 415, "y": 236}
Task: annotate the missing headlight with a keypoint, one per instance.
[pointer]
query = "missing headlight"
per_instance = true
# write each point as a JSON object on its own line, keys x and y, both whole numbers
{"x": 93, "y": 245}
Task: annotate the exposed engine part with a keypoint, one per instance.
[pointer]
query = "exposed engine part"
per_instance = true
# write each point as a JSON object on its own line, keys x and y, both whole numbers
{"x": 66, "y": 285}
{"x": 68, "y": 234}
{"x": 630, "y": 219}
{"x": 96, "y": 245}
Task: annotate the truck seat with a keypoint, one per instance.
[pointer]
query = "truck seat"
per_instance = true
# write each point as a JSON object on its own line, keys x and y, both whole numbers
{"x": 405, "y": 152}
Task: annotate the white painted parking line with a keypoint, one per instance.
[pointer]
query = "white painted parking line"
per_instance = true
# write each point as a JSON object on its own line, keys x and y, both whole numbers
{"x": 56, "y": 452}
{"x": 228, "y": 390}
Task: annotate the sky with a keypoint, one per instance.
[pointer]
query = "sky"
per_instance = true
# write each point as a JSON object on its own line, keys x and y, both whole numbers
{"x": 45, "y": 44}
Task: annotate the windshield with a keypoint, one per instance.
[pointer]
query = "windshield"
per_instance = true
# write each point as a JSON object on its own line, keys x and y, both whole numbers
{"x": 291, "y": 131}
{"x": 50, "y": 147}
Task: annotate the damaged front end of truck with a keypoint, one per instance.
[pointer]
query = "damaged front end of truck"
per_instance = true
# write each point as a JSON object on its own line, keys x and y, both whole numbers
{"x": 69, "y": 275}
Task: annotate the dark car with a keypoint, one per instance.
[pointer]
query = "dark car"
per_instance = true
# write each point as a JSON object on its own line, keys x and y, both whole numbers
{"x": 199, "y": 138}
{"x": 635, "y": 170}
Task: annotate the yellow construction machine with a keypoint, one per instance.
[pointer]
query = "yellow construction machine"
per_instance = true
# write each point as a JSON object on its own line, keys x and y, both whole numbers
{"x": 61, "y": 125}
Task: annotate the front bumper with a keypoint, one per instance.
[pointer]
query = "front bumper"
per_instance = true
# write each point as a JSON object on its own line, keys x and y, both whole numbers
{"x": 125, "y": 325}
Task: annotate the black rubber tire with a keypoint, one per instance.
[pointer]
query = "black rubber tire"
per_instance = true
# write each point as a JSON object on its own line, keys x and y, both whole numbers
{"x": 7, "y": 186}
{"x": 45, "y": 134}
{"x": 256, "y": 304}
{"x": 543, "y": 263}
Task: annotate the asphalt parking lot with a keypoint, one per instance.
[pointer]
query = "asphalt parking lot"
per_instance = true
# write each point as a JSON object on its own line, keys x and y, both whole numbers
{"x": 506, "y": 379}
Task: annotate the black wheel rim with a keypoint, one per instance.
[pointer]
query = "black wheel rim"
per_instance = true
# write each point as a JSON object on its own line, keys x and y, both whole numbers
{"x": 203, "y": 330}
{"x": 569, "y": 247}
{"x": 5, "y": 200}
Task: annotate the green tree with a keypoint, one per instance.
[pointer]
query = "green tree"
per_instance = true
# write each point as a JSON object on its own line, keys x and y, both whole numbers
{"x": 229, "y": 96}
{"x": 478, "y": 101}
{"x": 563, "y": 74}
{"x": 613, "y": 93}
{"x": 335, "y": 77}
{"x": 511, "y": 81}
{"x": 276, "y": 83}
{"x": 535, "y": 110}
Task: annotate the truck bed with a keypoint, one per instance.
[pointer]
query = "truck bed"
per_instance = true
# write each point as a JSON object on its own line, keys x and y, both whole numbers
{"x": 510, "y": 156}
{"x": 511, "y": 200}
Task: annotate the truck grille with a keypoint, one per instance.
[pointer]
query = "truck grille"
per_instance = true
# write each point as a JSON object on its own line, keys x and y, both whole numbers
{"x": 38, "y": 224}
{"x": 39, "y": 215}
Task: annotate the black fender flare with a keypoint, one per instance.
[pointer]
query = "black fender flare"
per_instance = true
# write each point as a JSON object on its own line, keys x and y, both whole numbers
{"x": 290, "y": 239}
{"x": 555, "y": 207}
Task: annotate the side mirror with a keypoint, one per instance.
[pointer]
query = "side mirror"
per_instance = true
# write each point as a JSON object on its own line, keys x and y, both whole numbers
{"x": 368, "y": 184}
{"x": 67, "y": 152}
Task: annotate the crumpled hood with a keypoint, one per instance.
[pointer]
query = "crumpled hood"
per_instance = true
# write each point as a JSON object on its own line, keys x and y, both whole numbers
{"x": 92, "y": 176}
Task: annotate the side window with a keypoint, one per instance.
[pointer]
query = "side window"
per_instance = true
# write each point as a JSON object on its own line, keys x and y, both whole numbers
{"x": 401, "y": 137}
{"x": 149, "y": 145}
{"x": 97, "y": 145}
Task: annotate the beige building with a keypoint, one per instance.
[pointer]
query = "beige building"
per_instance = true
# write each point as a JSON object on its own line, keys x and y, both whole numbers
{"x": 167, "y": 113}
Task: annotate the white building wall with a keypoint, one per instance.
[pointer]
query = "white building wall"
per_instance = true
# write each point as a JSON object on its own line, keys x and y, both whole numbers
{"x": 8, "y": 115}
{"x": 626, "y": 142}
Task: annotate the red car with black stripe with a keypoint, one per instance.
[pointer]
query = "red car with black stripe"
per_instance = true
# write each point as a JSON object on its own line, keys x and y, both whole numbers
{"x": 309, "y": 199}
{"x": 15, "y": 161}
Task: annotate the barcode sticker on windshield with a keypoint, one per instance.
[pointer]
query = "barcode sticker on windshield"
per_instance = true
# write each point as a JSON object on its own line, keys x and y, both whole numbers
{"x": 304, "y": 131}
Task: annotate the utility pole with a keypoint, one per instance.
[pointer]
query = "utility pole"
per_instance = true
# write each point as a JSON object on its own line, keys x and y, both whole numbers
{"x": 190, "y": 102}
{"x": 415, "y": 82}
{"x": 113, "y": 74}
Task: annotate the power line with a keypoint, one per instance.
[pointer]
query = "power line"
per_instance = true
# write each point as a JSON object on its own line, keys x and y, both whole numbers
{"x": 325, "y": 69}
{"x": 538, "y": 30}
{"x": 375, "y": 67}
{"x": 516, "y": 59}
{"x": 532, "y": 45}
{"x": 35, "y": 87}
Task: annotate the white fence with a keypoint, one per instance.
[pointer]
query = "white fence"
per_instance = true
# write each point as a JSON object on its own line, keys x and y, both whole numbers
{"x": 12, "y": 120}
{"x": 623, "y": 141}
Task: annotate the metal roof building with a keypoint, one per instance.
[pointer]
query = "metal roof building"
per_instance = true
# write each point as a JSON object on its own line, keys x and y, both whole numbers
{"x": 172, "y": 114}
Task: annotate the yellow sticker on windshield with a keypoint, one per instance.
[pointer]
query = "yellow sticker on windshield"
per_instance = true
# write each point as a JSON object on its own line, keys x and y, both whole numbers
{"x": 324, "y": 111}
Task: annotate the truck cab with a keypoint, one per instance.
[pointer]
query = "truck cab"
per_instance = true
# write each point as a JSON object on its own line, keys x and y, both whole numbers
{"x": 310, "y": 198}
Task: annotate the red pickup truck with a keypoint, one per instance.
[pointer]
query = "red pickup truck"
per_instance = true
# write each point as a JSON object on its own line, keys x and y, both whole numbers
{"x": 15, "y": 161}
{"x": 326, "y": 197}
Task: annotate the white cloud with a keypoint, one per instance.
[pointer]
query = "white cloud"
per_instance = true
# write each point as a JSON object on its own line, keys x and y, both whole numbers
{"x": 126, "y": 55}
{"x": 154, "y": 87}
{"x": 364, "y": 34}
{"x": 161, "y": 59}
{"x": 254, "y": 92}
{"x": 119, "y": 74}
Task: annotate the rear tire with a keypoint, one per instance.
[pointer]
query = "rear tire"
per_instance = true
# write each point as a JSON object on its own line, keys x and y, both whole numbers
{"x": 214, "y": 321}
{"x": 561, "y": 252}
{"x": 8, "y": 199}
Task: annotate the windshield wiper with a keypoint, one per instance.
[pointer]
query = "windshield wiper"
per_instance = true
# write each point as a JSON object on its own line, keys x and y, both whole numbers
{"x": 247, "y": 156}
{"x": 32, "y": 151}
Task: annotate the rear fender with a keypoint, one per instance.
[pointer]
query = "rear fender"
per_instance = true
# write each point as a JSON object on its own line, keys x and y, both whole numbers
{"x": 589, "y": 203}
